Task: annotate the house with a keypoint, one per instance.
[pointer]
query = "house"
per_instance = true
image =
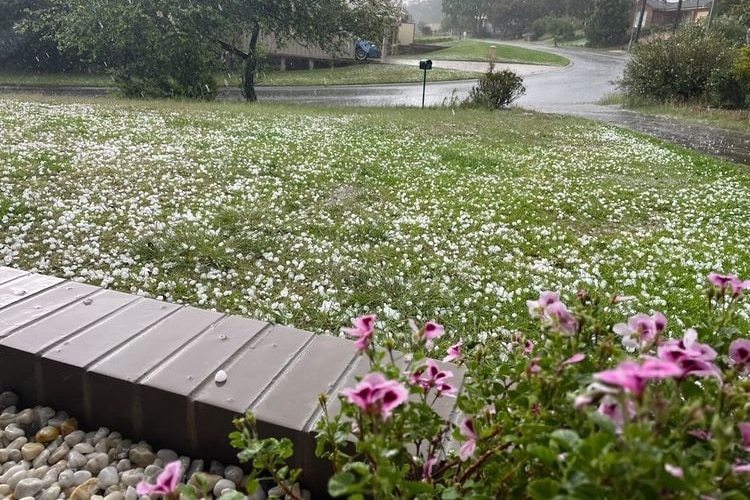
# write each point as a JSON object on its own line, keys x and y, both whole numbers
{"x": 294, "y": 55}
{"x": 664, "y": 12}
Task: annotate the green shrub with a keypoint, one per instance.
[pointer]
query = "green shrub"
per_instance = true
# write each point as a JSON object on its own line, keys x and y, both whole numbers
{"x": 496, "y": 90}
{"x": 741, "y": 72}
{"x": 562, "y": 28}
{"x": 688, "y": 67}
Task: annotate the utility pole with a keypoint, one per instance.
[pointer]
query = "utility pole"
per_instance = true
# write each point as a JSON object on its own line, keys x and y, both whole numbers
{"x": 710, "y": 15}
{"x": 640, "y": 23}
{"x": 677, "y": 17}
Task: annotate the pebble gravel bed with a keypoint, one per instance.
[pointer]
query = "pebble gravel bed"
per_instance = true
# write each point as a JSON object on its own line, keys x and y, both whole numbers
{"x": 45, "y": 456}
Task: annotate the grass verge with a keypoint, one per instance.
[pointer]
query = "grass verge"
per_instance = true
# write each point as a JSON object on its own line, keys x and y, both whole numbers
{"x": 474, "y": 50}
{"x": 310, "y": 216}
{"x": 358, "y": 74}
{"x": 730, "y": 119}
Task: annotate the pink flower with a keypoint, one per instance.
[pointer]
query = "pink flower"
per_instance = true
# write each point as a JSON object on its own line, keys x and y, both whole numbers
{"x": 528, "y": 347}
{"x": 575, "y": 358}
{"x": 537, "y": 307}
{"x": 744, "y": 428}
{"x": 557, "y": 318}
{"x": 739, "y": 351}
{"x": 166, "y": 482}
{"x": 364, "y": 328}
{"x": 617, "y": 299}
{"x": 430, "y": 376}
{"x": 741, "y": 468}
{"x": 467, "y": 431}
{"x": 633, "y": 377}
{"x": 612, "y": 409}
{"x": 641, "y": 330}
{"x": 427, "y": 468}
{"x": 690, "y": 355}
{"x": 674, "y": 470}
{"x": 454, "y": 352}
{"x": 376, "y": 395}
{"x": 594, "y": 392}
{"x": 701, "y": 434}
{"x": 428, "y": 333}
{"x": 731, "y": 281}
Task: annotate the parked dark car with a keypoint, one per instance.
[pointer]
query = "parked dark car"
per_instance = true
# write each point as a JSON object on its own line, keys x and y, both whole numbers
{"x": 365, "y": 50}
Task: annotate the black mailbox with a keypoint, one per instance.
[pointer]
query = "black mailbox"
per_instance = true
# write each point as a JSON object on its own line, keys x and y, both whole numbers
{"x": 425, "y": 64}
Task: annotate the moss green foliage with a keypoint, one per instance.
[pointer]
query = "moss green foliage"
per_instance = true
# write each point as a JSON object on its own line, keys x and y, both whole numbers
{"x": 496, "y": 90}
{"x": 690, "y": 66}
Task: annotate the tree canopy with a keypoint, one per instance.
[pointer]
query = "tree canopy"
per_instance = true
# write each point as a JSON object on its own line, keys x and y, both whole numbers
{"x": 171, "y": 47}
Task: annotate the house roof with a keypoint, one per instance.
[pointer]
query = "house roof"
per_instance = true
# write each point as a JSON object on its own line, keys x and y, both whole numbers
{"x": 686, "y": 4}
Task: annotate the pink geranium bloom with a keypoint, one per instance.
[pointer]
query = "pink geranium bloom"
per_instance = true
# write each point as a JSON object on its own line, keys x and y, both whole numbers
{"x": 454, "y": 352}
{"x": 674, "y": 470}
{"x": 633, "y": 377}
{"x": 641, "y": 330}
{"x": 364, "y": 328}
{"x": 427, "y": 468}
{"x": 376, "y": 395}
{"x": 612, "y": 409}
{"x": 744, "y": 428}
{"x": 724, "y": 281}
{"x": 739, "y": 351}
{"x": 428, "y": 333}
{"x": 741, "y": 468}
{"x": 690, "y": 355}
{"x": 166, "y": 482}
{"x": 575, "y": 358}
{"x": 558, "y": 318}
{"x": 430, "y": 376}
{"x": 467, "y": 431}
{"x": 537, "y": 307}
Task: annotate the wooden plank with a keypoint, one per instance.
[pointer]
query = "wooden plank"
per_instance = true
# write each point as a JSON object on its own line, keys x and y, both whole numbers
{"x": 40, "y": 305}
{"x": 24, "y": 287}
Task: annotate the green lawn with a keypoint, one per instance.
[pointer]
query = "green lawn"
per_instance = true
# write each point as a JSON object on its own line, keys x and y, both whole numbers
{"x": 55, "y": 79}
{"x": 310, "y": 216}
{"x": 474, "y": 50}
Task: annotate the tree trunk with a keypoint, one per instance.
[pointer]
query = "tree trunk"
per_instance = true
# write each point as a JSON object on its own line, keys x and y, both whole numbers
{"x": 251, "y": 65}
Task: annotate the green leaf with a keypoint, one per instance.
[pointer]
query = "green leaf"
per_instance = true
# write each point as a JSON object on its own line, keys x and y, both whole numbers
{"x": 343, "y": 483}
{"x": 547, "y": 456}
{"x": 252, "y": 485}
{"x": 415, "y": 487}
{"x": 451, "y": 494}
{"x": 566, "y": 438}
{"x": 543, "y": 489}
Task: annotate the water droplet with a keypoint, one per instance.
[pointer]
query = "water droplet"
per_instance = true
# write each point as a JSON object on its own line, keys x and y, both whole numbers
{"x": 37, "y": 307}
{"x": 220, "y": 377}
{"x": 190, "y": 377}
{"x": 20, "y": 292}
{"x": 223, "y": 337}
{"x": 88, "y": 302}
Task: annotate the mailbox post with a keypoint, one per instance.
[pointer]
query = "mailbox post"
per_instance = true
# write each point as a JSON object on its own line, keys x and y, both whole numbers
{"x": 424, "y": 65}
